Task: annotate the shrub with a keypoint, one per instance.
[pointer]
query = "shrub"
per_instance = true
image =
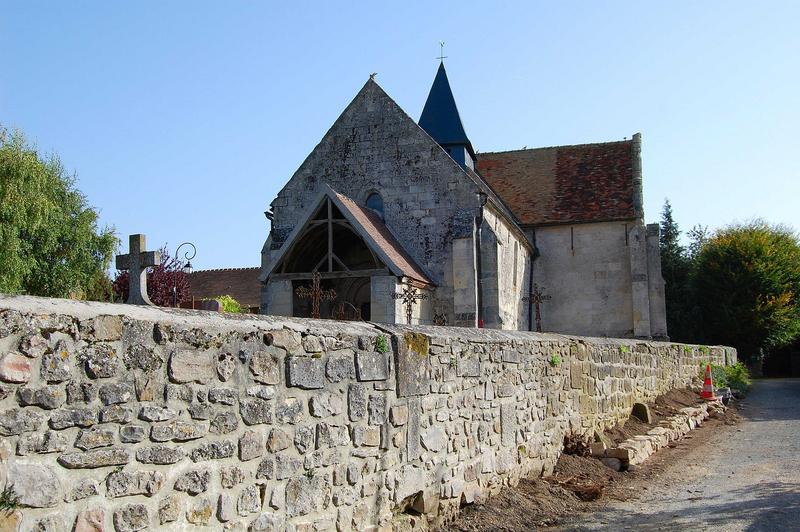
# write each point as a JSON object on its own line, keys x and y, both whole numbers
{"x": 229, "y": 304}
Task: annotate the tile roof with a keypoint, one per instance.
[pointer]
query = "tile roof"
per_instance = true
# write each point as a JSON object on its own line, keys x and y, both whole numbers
{"x": 565, "y": 184}
{"x": 241, "y": 284}
{"x": 373, "y": 226}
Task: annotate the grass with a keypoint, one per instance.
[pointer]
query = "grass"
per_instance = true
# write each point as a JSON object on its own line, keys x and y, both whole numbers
{"x": 9, "y": 500}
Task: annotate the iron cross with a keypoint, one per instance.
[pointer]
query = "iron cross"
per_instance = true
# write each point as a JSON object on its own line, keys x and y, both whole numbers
{"x": 409, "y": 297}
{"x": 537, "y": 297}
{"x": 136, "y": 262}
{"x": 441, "y": 57}
{"x": 316, "y": 294}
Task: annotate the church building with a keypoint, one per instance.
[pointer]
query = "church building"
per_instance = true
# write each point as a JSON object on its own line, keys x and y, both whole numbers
{"x": 548, "y": 239}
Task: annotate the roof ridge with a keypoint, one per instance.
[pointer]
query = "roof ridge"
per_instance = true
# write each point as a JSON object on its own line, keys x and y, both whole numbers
{"x": 606, "y": 143}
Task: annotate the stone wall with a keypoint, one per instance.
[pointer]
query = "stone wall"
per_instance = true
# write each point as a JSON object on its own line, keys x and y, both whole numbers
{"x": 130, "y": 418}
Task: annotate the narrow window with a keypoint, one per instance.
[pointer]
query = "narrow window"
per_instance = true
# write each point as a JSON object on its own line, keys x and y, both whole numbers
{"x": 375, "y": 202}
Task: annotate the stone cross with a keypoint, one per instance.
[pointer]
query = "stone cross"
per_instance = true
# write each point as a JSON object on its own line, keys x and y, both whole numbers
{"x": 409, "y": 296}
{"x": 537, "y": 297}
{"x": 316, "y": 294}
{"x": 136, "y": 262}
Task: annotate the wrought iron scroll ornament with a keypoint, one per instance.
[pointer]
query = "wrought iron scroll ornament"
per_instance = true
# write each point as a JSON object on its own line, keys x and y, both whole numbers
{"x": 409, "y": 296}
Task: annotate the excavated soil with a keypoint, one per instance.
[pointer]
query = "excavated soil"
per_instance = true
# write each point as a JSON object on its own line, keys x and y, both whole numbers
{"x": 582, "y": 483}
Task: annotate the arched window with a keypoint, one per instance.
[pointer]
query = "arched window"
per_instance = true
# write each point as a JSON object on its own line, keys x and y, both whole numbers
{"x": 375, "y": 202}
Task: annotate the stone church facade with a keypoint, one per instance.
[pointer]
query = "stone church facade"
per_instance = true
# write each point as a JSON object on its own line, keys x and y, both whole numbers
{"x": 384, "y": 202}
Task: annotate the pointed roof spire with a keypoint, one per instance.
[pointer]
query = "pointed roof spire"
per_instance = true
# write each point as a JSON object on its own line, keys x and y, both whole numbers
{"x": 440, "y": 118}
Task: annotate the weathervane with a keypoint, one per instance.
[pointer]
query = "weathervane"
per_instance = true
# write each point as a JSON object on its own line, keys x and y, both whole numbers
{"x": 441, "y": 57}
{"x": 315, "y": 294}
{"x": 409, "y": 297}
{"x": 537, "y": 297}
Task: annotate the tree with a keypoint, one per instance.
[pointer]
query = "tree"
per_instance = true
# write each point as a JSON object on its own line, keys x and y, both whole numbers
{"x": 676, "y": 271}
{"x": 160, "y": 282}
{"x": 50, "y": 244}
{"x": 747, "y": 282}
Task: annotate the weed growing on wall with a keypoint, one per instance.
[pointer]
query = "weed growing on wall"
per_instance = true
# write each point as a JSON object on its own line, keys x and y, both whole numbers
{"x": 555, "y": 360}
{"x": 381, "y": 344}
{"x": 9, "y": 500}
{"x": 624, "y": 349}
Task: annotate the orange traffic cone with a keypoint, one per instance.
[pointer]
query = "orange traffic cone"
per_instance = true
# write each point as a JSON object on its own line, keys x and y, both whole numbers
{"x": 708, "y": 387}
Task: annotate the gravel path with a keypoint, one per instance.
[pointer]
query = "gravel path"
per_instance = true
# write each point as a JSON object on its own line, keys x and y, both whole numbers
{"x": 746, "y": 478}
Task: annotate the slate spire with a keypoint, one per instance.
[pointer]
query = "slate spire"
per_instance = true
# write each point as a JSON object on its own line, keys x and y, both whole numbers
{"x": 440, "y": 119}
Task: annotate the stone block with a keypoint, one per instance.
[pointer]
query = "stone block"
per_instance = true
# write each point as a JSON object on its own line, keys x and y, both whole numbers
{"x": 35, "y": 485}
{"x": 412, "y": 365}
{"x": 213, "y": 450}
{"x": 15, "y": 368}
{"x": 72, "y": 417}
{"x": 231, "y": 476}
{"x": 169, "y": 509}
{"x": 356, "y": 401}
{"x": 116, "y": 414}
{"x": 287, "y": 466}
{"x": 160, "y": 455}
{"x": 325, "y": 404}
{"x": 288, "y": 410}
{"x": 226, "y": 366}
{"x": 41, "y": 443}
{"x": 223, "y": 396}
{"x": 47, "y": 397}
{"x": 178, "y": 431}
{"x": 200, "y": 512}
{"x": 249, "y": 501}
{"x": 377, "y": 409}
{"x": 469, "y": 366}
{"x": 90, "y": 520}
{"x": 304, "y": 439}
{"x": 306, "y": 373}
{"x": 16, "y": 421}
{"x": 340, "y": 367}
{"x": 265, "y": 366}
{"x": 94, "y": 438}
{"x": 125, "y": 484}
{"x": 157, "y": 413}
{"x": 278, "y": 440}
{"x": 366, "y": 436}
{"x": 193, "y": 482}
{"x": 95, "y": 458}
{"x": 192, "y": 366}
{"x": 224, "y": 423}
{"x": 226, "y": 510}
{"x": 398, "y": 415}
{"x": 116, "y": 393}
{"x": 131, "y": 518}
{"x": 434, "y": 439}
{"x": 372, "y": 366}
{"x": 251, "y": 445}
{"x": 102, "y": 361}
{"x": 508, "y": 424}
{"x": 305, "y": 495}
{"x": 55, "y": 364}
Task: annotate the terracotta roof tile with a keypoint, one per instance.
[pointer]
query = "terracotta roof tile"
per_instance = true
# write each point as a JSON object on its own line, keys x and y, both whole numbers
{"x": 384, "y": 238}
{"x": 564, "y": 184}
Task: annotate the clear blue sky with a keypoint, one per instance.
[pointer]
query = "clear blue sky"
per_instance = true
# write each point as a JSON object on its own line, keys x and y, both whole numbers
{"x": 182, "y": 120}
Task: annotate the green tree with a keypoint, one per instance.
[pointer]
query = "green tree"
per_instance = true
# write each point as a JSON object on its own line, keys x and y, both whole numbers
{"x": 676, "y": 269}
{"x": 747, "y": 281}
{"x": 50, "y": 244}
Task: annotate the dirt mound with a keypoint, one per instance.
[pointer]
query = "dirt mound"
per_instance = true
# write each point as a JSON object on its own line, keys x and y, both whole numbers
{"x": 663, "y": 407}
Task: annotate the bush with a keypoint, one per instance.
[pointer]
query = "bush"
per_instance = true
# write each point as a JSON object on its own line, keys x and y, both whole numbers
{"x": 229, "y": 304}
{"x": 736, "y": 377}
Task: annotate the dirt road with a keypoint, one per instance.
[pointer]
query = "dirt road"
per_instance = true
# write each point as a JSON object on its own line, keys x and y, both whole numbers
{"x": 746, "y": 478}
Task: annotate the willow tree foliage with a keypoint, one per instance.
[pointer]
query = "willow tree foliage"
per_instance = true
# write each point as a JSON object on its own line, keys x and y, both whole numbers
{"x": 747, "y": 285}
{"x": 50, "y": 243}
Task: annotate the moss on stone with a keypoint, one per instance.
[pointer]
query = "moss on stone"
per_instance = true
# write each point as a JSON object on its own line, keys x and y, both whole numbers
{"x": 418, "y": 343}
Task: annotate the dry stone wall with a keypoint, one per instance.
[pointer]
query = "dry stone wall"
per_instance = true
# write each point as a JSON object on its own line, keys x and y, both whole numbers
{"x": 125, "y": 418}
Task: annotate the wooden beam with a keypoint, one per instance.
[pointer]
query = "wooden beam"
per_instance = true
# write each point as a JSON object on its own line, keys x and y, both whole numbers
{"x": 331, "y": 275}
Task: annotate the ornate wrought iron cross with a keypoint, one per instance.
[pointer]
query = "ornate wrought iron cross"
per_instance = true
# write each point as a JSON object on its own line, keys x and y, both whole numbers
{"x": 316, "y": 294}
{"x": 409, "y": 297}
{"x": 537, "y": 297}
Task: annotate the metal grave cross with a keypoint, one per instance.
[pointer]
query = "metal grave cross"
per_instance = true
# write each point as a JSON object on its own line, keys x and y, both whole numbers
{"x": 136, "y": 262}
{"x": 537, "y": 297}
{"x": 316, "y": 294}
{"x": 409, "y": 297}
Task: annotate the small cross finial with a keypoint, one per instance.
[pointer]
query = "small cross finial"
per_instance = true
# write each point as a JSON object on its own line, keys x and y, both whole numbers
{"x": 441, "y": 57}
